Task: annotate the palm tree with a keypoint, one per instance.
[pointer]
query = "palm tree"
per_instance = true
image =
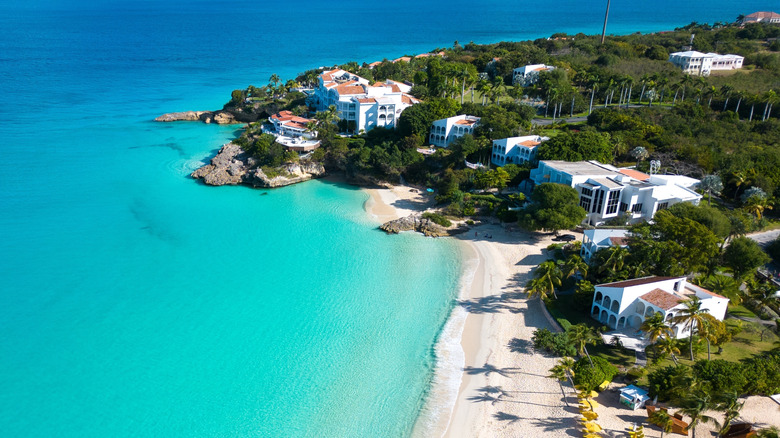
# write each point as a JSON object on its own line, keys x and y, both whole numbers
{"x": 730, "y": 405}
{"x": 497, "y": 89}
{"x": 701, "y": 81}
{"x": 573, "y": 265}
{"x": 757, "y": 205}
{"x": 740, "y": 95}
{"x": 644, "y": 79}
{"x": 655, "y": 327}
{"x": 753, "y": 98}
{"x": 711, "y": 92}
{"x": 663, "y": 83}
{"x": 483, "y": 87}
{"x": 691, "y": 317}
{"x": 581, "y": 335}
{"x": 616, "y": 260}
{"x": 694, "y": 406}
{"x": 604, "y": 31}
{"x": 739, "y": 179}
{"x": 549, "y": 273}
{"x": 274, "y": 79}
{"x": 594, "y": 85}
{"x": 726, "y": 91}
{"x": 711, "y": 184}
{"x": 724, "y": 285}
{"x": 770, "y": 97}
{"x": 538, "y": 287}
{"x": 685, "y": 81}
{"x": 640, "y": 154}
{"x": 559, "y": 373}
{"x": 667, "y": 346}
{"x": 663, "y": 420}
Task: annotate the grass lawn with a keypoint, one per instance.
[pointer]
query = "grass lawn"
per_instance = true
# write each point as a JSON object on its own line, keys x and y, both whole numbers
{"x": 739, "y": 310}
{"x": 566, "y": 308}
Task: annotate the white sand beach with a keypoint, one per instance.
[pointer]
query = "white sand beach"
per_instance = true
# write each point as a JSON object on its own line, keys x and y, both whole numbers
{"x": 502, "y": 384}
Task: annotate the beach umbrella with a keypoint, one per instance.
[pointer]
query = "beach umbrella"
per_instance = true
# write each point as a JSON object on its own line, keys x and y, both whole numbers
{"x": 593, "y": 427}
{"x": 590, "y": 415}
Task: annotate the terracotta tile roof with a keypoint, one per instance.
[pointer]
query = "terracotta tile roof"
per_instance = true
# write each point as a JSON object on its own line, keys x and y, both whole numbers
{"x": 328, "y": 75}
{"x": 622, "y": 241}
{"x": 349, "y": 88}
{"x": 374, "y": 64}
{"x": 403, "y": 58}
{"x": 409, "y": 100}
{"x": 661, "y": 299}
{"x": 763, "y": 15}
{"x": 466, "y": 122}
{"x": 295, "y": 125}
{"x": 637, "y": 281}
{"x": 288, "y": 116}
{"x": 641, "y": 176}
{"x": 529, "y": 143}
{"x": 367, "y": 100}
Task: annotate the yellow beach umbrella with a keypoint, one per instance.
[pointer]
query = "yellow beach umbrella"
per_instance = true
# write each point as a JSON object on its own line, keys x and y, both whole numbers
{"x": 590, "y": 415}
{"x": 593, "y": 427}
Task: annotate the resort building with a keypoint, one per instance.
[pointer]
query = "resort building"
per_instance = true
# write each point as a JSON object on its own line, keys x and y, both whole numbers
{"x": 606, "y": 191}
{"x": 762, "y": 17}
{"x": 445, "y": 131}
{"x": 626, "y": 304}
{"x": 366, "y": 105}
{"x": 289, "y": 125}
{"x": 600, "y": 238}
{"x": 701, "y": 64}
{"x": 529, "y": 74}
{"x": 515, "y": 150}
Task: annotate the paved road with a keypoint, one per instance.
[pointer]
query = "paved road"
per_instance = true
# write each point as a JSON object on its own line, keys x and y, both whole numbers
{"x": 567, "y": 120}
{"x": 765, "y": 238}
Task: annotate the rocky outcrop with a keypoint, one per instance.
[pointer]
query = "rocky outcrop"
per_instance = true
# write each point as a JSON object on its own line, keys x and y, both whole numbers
{"x": 232, "y": 166}
{"x": 417, "y": 223}
{"x": 287, "y": 174}
{"x": 184, "y": 116}
{"x": 218, "y": 117}
{"x": 228, "y": 167}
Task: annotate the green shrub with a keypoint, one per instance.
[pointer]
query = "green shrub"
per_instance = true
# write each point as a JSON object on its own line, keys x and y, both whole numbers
{"x": 664, "y": 383}
{"x": 554, "y": 343}
{"x": 762, "y": 374}
{"x": 437, "y": 219}
{"x": 720, "y": 376}
{"x": 589, "y": 378}
{"x": 565, "y": 324}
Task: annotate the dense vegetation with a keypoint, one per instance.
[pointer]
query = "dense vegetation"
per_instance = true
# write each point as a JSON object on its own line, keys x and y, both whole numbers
{"x": 640, "y": 108}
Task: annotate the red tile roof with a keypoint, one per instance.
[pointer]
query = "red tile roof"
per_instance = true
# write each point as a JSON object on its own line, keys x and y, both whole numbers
{"x": 466, "y": 122}
{"x": 367, "y": 100}
{"x": 641, "y": 176}
{"x": 349, "y": 88}
{"x": 409, "y": 100}
{"x": 403, "y": 58}
{"x": 637, "y": 281}
{"x": 763, "y": 15}
{"x": 328, "y": 75}
{"x": 661, "y": 299}
{"x": 288, "y": 116}
{"x": 529, "y": 143}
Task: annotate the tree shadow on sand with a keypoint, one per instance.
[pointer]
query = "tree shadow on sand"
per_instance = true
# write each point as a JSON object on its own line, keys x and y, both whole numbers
{"x": 503, "y": 416}
{"x": 517, "y": 345}
{"x": 487, "y": 369}
{"x": 493, "y": 303}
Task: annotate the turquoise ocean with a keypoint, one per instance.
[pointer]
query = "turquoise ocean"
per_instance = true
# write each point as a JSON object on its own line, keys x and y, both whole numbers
{"x": 135, "y": 301}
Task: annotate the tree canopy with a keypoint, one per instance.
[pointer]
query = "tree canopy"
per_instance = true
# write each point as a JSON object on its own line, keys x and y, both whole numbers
{"x": 553, "y": 207}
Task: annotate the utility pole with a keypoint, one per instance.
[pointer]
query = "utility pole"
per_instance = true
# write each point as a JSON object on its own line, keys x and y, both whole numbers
{"x": 604, "y": 32}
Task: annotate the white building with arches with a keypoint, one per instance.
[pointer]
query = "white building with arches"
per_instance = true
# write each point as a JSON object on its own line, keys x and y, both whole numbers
{"x": 515, "y": 150}
{"x": 445, "y": 131}
{"x": 624, "y": 305}
{"x": 364, "y": 105}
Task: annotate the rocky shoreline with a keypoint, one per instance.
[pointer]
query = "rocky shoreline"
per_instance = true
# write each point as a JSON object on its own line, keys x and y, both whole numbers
{"x": 233, "y": 166}
{"x": 221, "y": 117}
{"x": 422, "y": 225}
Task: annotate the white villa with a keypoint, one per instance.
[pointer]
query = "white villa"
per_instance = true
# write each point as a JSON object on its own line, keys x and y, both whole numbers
{"x": 445, "y": 131}
{"x": 763, "y": 16}
{"x": 367, "y": 105}
{"x": 289, "y": 125}
{"x": 626, "y": 304}
{"x": 701, "y": 64}
{"x": 529, "y": 74}
{"x": 600, "y": 238}
{"x": 515, "y": 150}
{"x": 606, "y": 191}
